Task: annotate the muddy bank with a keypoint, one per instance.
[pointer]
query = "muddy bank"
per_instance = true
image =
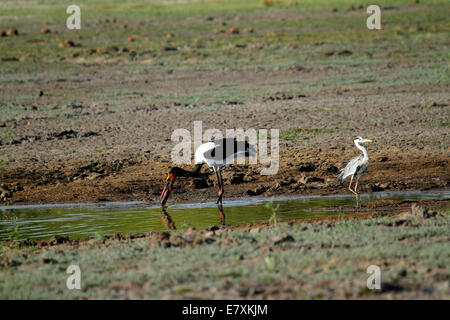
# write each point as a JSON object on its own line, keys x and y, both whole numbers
{"x": 299, "y": 173}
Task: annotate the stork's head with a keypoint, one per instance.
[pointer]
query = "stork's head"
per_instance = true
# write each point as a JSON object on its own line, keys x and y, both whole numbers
{"x": 361, "y": 140}
{"x": 174, "y": 172}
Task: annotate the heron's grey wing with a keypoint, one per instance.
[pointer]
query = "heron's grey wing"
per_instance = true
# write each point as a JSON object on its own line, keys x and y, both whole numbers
{"x": 349, "y": 169}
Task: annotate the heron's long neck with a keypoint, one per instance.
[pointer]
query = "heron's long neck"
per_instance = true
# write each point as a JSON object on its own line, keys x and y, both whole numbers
{"x": 360, "y": 147}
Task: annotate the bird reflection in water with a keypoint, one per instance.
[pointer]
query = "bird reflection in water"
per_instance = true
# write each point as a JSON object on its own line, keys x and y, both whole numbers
{"x": 167, "y": 219}
{"x": 170, "y": 225}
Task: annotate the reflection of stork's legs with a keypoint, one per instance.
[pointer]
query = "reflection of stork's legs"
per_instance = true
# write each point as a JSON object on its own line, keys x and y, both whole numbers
{"x": 222, "y": 215}
{"x": 167, "y": 220}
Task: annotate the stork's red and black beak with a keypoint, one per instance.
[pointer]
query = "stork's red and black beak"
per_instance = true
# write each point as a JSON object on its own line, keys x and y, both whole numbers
{"x": 167, "y": 189}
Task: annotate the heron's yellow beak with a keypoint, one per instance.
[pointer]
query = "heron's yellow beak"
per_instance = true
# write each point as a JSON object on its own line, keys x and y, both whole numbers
{"x": 367, "y": 140}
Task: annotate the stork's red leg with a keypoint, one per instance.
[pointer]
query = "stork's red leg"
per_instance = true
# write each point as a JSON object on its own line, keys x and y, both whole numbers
{"x": 220, "y": 185}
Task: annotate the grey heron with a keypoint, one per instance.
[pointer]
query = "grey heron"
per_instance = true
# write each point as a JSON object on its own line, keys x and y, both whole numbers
{"x": 355, "y": 167}
{"x": 215, "y": 154}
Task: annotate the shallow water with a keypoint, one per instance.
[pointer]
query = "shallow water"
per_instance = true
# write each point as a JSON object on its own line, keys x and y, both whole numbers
{"x": 83, "y": 220}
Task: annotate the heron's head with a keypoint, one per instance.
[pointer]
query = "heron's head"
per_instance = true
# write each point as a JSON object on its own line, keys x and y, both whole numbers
{"x": 362, "y": 140}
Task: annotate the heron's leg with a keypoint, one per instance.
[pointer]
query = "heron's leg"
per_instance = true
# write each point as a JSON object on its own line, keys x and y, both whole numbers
{"x": 220, "y": 184}
{"x": 356, "y": 186}
{"x": 350, "y": 186}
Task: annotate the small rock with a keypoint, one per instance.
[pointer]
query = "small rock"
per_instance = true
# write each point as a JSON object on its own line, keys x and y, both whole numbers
{"x": 275, "y": 187}
{"x": 417, "y": 210}
{"x": 12, "y": 32}
{"x": 209, "y": 240}
{"x": 422, "y": 212}
{"x": 233, "y": 30}
{"x": 209, "y": 234}
{"x": 170, "y": 49}
{"x": 49, "y": 261}
{"x": 308, "y": 167}
{"x": 6, "y": 59}
{"x": 379, "y": 186}
{"x": 281, "y": 239}
{"x": 307, "y": 179}
{"x": 345, "y": 53}
{"x": 5, "y": 193}
{"x": 45, "y": 30}
{"x": 58, "y": 239}
{"x": 161, "y": 236}
{"x": 66, "y": 44}
{"x": 257, "y": 191}
{"x": 237, "y": 178}
{"x": 184, "y": 240}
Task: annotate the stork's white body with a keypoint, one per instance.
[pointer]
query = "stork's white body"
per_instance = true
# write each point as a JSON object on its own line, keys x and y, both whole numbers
{"x": 219, "y": 153}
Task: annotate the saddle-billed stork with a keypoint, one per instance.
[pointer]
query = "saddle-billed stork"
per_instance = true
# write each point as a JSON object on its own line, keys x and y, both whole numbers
{"x": 216, "y": 154}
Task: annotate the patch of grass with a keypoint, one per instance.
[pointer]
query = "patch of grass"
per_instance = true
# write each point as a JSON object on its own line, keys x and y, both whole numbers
{"x": 9, "y": 137}
{"x": 99, "y": 235}
{"x": 13, "y": 230}
{"x": 100, "y": 150}
{"x": 274, "y": 209}
{"x": 443, "y": 143}
{"x": 271, "y": 263}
